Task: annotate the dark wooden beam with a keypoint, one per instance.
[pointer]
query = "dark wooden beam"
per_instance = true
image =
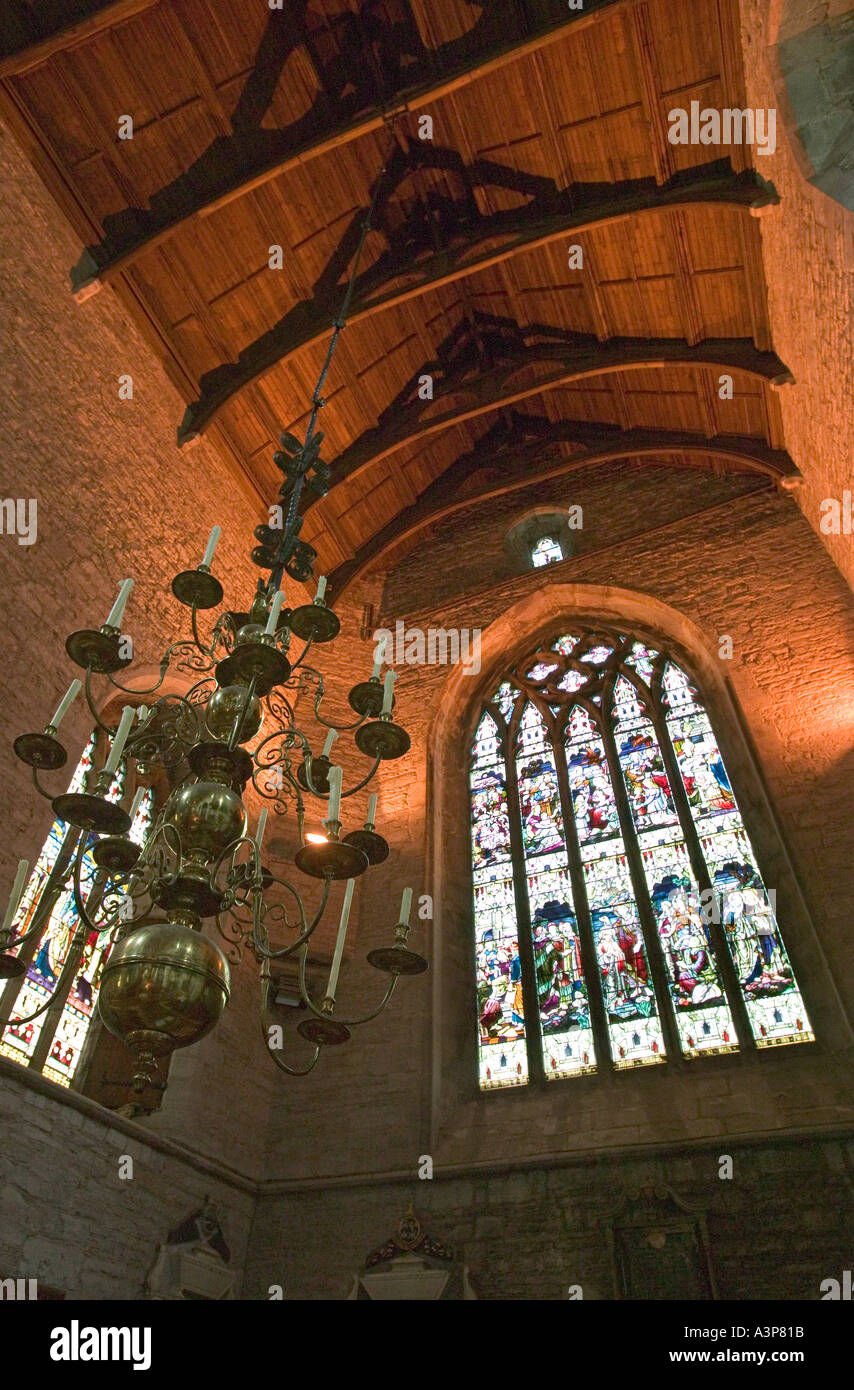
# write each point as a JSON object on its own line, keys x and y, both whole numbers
{"x": 401, "y": 275}
{"x": 31, "y": 54}
{"x": 508, "y": 447}
{"x": 100, "y": 263}
{"x": 535, "y": 370}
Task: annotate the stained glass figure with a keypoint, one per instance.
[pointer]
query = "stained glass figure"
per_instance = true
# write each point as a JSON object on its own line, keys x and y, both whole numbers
{"x": 773, "y": 1001}
{"x": 583, "y": 853}
{"x": 62, "y": 936}
{"x": 564, "y": 1011}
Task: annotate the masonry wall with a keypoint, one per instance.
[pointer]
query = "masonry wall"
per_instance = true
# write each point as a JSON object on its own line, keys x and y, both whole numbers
{"x": 751, "y": 569}
{"x": 67, "y": 1217}
{"x": 780, "y": 1226}
{"x": 115, "y": 499}
{"x": 808, "y": 257}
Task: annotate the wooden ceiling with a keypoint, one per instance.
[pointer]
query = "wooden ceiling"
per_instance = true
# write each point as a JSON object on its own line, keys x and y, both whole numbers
{"x": 255, "y": 128}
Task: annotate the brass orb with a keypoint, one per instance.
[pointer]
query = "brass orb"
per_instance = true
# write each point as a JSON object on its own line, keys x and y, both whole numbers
{"x": 207, "y": 816}
{"x": 164, "y": 986}
{"x": 250, "y": 632}
{"x": 224, "y": 708}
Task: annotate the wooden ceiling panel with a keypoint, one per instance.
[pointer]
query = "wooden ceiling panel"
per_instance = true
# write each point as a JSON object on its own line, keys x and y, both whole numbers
{"x": 255, "y": 128}
{"x": 226, "y": 37}
{"x": 721, "y": 301}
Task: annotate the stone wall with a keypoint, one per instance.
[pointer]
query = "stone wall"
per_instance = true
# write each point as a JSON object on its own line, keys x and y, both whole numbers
{"x": 781, "y": 1225}
{"x": 69, "y": 1220}
{"x": 808, "y": 255}
{"x": 115, "y": 499}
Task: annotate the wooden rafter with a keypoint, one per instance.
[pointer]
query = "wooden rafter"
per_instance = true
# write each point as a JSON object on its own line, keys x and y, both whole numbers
{"x": 602, "y": 444}
{"x": 31, "y": 55}
{"x": 395, "y": 279}
{"x": 100, "y": 263}
{"x": 535, "y": 371}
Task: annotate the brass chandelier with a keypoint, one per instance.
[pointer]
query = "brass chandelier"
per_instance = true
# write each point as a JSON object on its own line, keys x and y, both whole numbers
{"x": 165, "y": 983}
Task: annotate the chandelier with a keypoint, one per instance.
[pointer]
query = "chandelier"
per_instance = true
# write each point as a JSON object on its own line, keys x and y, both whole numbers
{"x": 165, "y": 983}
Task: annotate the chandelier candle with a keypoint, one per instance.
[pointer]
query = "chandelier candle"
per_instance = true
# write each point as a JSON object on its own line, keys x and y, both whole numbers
{"x": 214, "y": 536}
{"x": 135, "y": 804}
{"x": 339, "y": 943}
{"x": 128, "y": 716}
{"x": 372, "y": 810}
{"x": 330, "y": 739}
{"x": 262, "y": 825}
{"x": 388, "y": 691}
{"x": 117, "y": 611}
{"x": 405, "y": 906}
{"x": 335, "y": 776}
{"x": 274, "y": 613}
{"x": 14, "y": 901}
{"x": 321, "y": 589}
{"x": 67, "y": 700}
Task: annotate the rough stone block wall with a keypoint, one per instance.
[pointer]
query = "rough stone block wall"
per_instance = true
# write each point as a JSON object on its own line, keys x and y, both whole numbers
{"x": 781, "y": 1225}
{"x": 751, "y": 569}
{"x": 115, "y": 500}
{"x": 66, "y": 1217}
{"x": 808, "y": 256}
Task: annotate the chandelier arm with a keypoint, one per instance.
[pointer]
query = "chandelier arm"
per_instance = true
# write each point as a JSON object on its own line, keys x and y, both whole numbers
{"x": 42, "y": 1009}
{"x": 347, "y": 1022}
{"x": 205, "y": 650}
{"x": 137, "y": 690}
{"x": 290, "y": 737}
{"x": 304, "y": 936}
{"x": 266, "y": 985}
{"x": 77, "y": 890}
{"x": 302, "y": 656}
{"x": 365, "y": 780}
{"x": 87, "y": 687}
{"x": 240, "y": 719}
{"x": 70, "y": 964}
{"x": 39, "y": 788}
{"x": 54, "y": 883}
{"x": 354, "y": 1022}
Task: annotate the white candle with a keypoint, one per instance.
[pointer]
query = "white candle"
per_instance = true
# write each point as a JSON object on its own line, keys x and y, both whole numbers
{"x": 405, "y": 906}
{"x": 128, "y": 716}
{"x": 17, "y": 890}
{"x": 68, "y": 698}
{"x": 330, "y": 739}
{"x": 388, "y": 691}
{"x": 321, "y": 589}
{"x": 335, "y": 776}
{"x": 372, "y": 809}
{"x": 339, "y": 943}
{"x": 278, "y": 600}
{"x": 118, "y": 608}
{"x": 259, "y": 832}
{"x": 135, "y": 804}
{"x": 378, "y": 666}
{"x": 211, "y": 546}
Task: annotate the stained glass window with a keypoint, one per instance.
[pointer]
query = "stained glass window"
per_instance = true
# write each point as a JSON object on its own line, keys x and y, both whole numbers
{"x": 547, "y": 551}
{"x": 53, "y": 1039}
{"x": 619, "y": 912}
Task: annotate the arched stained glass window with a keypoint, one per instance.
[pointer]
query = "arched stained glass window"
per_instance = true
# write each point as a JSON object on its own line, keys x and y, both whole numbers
{"x": 52, "y": 1040}
{"x": 619, "y": 913}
